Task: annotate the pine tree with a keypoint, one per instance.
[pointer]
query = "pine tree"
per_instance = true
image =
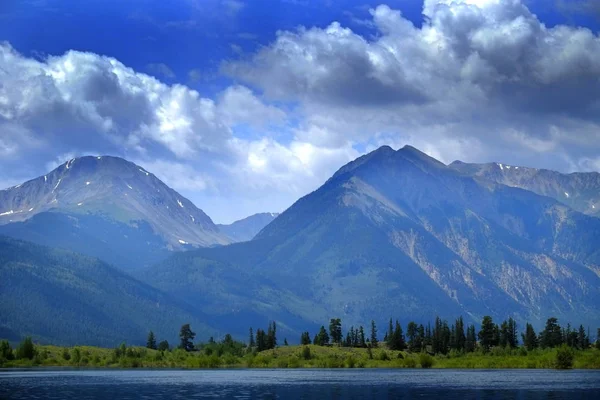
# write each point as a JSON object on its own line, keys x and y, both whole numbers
{"x": 348, "y": 342}
{"x": 411, "y": 336}
{"x": 598, "y": 339}
{"x": 305, "y": 338}
{"x": 374, "y": 340}
{"x": 251, "y": 342}
{"x": 361, "y": 336}
{"x": 335, "y": 330}
{"x": 151, "y": 341}
{"x": 26, "y": 349}
{"x": 460, "y": 334}
{"x": 551, "y": 336}
{"x": 261, "y": 340}
{"x": 470, "y": 339}
{"x": 513, "y": 335}
{"x": 322, "y": 338}
{"x": 582, "y": 338}
{"x": 186, "y": 336}
{"x": 487, "y": 333}
{"x": 530, "y": 340}
{"x": 420, "y": 342}
{"x": 390, "y": 335}
{"x": 6, "y": 351}
{"x": 285, "y": 343}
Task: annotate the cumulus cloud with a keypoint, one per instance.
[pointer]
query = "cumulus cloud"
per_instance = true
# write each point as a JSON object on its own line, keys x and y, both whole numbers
{"x": 85, "y": 95}
{"x": 477, "y": 71}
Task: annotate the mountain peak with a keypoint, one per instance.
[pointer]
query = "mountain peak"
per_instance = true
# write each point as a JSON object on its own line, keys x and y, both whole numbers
{"x": 113, "y": 188}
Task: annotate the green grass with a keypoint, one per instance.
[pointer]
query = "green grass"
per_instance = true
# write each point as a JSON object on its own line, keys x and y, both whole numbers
{"x": 297, "y": 357}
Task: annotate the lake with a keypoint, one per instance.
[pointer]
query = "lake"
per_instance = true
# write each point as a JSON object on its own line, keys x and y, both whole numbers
{"x": 298, "y": 384}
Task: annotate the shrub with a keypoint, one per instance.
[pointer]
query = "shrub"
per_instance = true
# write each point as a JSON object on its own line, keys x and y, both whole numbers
{"x": 410, "y": 363}
{"x": 66, "y": 355}
{"x": 383, "y": 356}
{"x": 306, "y": 353}
{"x": 350, "y": 362}
{"x": 76, "y": 355}
{"x": 425, "y": 360}
{"x": 564, "y": 357}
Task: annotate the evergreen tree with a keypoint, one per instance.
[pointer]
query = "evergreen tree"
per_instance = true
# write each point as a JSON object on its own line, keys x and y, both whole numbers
{"x": 582, "y": 341}
{"x": 285, "y": 343}
{"x": 348, "y": 342}
{"x": 305, "y": 338}
{"x": 151, "y": 341}
{"x": 322, "y": 338}
{"x": 551, "y": 336}
{"x": 513, "y": 335}
{"x": 420, "y": 341}
{"x": 26, "y": 349}
{"x": 390, "y": 335}
{"x": 487, "y": 333}
{"x": 470, "y": 339}
{"x": 251, "y": 342}
{"x": 261, "y": 340}
{"x": 412, "y": 332}
{"x": 361, "y": 336}
{"x": 163, "y": 346}
{"x": 271, "y": 339}
{"x": 428, "y": 337}
{"x": 335, "y": 330}
{"x": 6, "y": 352}
{"x": 460, "y": 337}
{"x": 186, "y": 336}
{"x": 530, "y": 340}
{"x": 598, "y": 339}
{"x": 504, "y": 334}
{"x": 374, "y": 340}
{"x": 398, "y": 341}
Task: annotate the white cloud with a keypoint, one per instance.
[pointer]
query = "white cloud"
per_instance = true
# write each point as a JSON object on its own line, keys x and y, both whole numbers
{"x": 237, "y": 105}
{"x": 477, "y": 71}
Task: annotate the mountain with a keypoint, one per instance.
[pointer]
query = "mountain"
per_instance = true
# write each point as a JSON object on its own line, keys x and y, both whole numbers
{"x": 63, "y": 298}
{"x": 399, "y": 234}
{"x": 245, "y": 229}
{"x": 579, "y": 190}
{"x": 106, "y": 207}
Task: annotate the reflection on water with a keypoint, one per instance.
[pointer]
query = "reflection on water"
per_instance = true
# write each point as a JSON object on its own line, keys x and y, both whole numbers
{"x": 298, "y": 384}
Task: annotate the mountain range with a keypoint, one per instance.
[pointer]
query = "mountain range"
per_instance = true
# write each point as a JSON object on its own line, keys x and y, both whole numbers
{"x": 391, "y": 234}
{"x": 113, "y": 209}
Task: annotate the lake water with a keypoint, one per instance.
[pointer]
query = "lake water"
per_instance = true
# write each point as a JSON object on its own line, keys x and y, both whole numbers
{"x": 298, "y": 384}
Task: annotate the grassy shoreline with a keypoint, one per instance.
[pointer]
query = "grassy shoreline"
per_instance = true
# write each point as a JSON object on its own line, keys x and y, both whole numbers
{"x": 310, "y": 356}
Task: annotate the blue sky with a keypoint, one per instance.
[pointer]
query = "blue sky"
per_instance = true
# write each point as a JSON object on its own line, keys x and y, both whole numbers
{"x": 256, "y": 103}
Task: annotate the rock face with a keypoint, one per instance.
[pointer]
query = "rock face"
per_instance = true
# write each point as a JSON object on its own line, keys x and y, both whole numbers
{"x": 397, "y": 233}
{"x": 245, "y": 229}
{"x": 580, "y": 190}
{"x": 96, "y": 198}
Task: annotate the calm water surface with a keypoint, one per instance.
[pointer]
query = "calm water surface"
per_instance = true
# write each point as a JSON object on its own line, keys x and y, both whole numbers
{"x": 299, "y": 384}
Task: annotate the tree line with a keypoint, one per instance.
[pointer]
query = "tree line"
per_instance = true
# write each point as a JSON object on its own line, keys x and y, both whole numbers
{"x": 440, "y": 338}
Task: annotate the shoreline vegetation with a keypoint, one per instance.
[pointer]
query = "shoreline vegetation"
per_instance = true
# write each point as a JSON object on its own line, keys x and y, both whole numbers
{"x": 441, "y": 346}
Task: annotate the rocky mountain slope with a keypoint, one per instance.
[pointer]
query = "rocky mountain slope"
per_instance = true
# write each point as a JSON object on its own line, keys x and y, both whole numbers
{"x": 580, "y": 190}
{"x": 98, "y": 204}
{"x": 397, "y": 233}
{"x": 245, "y": 229}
